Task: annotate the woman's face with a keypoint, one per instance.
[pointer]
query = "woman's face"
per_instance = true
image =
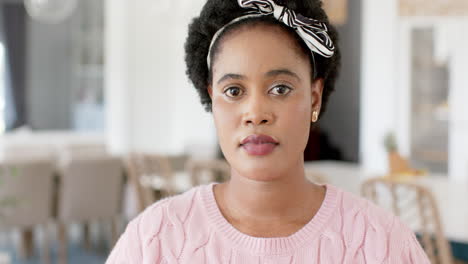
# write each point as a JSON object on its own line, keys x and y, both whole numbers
{"x": 263, "y": 98}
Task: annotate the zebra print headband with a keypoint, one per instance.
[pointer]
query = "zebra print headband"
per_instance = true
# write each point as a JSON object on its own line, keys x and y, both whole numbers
{"x": 313, "y": 32}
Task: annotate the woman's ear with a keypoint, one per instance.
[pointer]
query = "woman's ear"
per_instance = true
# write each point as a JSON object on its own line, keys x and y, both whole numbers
{"x": 317, "y": 90}
{"x": 210, "y": 91}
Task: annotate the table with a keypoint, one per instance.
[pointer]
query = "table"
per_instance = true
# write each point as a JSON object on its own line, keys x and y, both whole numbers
{"x": 181, "y": 182}
{"x": 48, "y": 143}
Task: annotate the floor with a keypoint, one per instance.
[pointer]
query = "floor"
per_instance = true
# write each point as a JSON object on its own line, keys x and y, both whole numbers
{"x": 77, "y": 254}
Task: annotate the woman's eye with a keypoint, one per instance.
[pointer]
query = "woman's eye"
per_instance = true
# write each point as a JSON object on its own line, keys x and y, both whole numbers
{"x": 233, "y": 92}
{"x": 280, "y": 90}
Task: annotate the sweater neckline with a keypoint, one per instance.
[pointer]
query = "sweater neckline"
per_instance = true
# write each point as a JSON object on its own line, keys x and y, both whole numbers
{"x": 274, "y": 245}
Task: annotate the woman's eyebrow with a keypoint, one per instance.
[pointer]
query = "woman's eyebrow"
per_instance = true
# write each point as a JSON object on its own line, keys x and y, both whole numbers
{"x": 231, "y": 76}
{"x": 277, "y": 72}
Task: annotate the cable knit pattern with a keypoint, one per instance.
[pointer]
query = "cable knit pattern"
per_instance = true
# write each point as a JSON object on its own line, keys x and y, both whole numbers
{"x": 190, "y": 228}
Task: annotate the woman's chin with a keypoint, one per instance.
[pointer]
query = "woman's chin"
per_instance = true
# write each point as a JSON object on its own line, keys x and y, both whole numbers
{"x": 256, "y": 172}
{"x": 263, "y": 178}
{"x": 260, "y": 168}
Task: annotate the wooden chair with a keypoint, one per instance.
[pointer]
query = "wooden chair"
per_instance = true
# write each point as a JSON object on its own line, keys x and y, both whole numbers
{"x": 415, "y": 205}
{"x": 205, "y": 171}
{"x": 151, "y": 177}
{"x": 26, "y": 197}
{"x": 90, "y": 190}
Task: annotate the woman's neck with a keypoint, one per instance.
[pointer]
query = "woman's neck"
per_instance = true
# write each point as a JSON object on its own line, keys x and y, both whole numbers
{"x": 269, "y": 208}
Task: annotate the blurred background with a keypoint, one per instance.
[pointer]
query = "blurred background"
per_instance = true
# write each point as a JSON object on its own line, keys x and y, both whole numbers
{"x": 98, "y": 120}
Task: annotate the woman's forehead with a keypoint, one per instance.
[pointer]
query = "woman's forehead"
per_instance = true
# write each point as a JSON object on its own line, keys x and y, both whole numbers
{"x": 259, "y": 50}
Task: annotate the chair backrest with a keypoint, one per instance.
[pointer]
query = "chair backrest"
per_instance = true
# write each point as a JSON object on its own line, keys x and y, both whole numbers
{"x": 415, "y": 206}
{"x": 77, "y": 150}
{"x": 90, "y": 188}
{"x": 205, "y": 171}
{"x": 26, "y": 189}
{"x": 143, "y": 169}
{"x": 29, "y": 152}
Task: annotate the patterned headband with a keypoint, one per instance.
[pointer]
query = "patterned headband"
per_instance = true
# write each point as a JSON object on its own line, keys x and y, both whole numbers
{"x": 313, "y": 32}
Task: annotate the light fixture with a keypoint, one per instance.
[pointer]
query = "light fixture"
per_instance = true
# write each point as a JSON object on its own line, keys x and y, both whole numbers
{"x": 50, "y": 11}
{"x": 433, "y": 8}
{"x": 337, "y": 11}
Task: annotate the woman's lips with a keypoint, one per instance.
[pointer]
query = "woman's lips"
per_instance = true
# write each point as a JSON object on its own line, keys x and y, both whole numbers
{"x": 259, "y": 145}
{"x": 259, "y": 149}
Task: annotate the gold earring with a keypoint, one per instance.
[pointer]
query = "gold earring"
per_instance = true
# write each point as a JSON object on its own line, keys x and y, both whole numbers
{"x": 315, "y": 116}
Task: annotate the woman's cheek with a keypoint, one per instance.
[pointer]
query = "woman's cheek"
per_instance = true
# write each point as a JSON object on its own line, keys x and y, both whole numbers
{"x": 224, "y": 114}
{"x": 297, "y": 123}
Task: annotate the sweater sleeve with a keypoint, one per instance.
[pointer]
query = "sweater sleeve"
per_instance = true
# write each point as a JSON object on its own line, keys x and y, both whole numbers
{"x": 128, "y": 248}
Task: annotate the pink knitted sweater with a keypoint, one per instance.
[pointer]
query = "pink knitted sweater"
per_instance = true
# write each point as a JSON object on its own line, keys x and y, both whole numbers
{"x": 190, "y": 228}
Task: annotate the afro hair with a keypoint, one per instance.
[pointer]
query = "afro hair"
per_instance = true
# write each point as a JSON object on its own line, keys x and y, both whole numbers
{"x": 216, "y": 14}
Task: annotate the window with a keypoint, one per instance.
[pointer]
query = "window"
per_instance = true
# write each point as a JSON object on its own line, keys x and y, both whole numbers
{"x": 2, "y": 89}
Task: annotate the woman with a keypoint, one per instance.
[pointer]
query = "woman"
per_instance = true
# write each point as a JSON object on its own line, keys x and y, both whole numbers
{"x": 265, "y": 69}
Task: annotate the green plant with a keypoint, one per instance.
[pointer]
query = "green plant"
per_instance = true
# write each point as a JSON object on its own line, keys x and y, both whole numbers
{"x": 390, "y": 142}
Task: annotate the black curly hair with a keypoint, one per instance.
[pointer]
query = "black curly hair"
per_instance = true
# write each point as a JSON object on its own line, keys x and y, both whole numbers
{"x": 217, "y": 13}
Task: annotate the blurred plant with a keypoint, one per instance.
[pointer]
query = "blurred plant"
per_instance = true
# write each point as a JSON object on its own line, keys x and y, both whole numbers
{"x": 398, "y": 165}
{"x": 390, "y": 142}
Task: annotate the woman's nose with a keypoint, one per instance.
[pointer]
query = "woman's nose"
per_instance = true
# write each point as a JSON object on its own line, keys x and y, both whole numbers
{"x": 257, "y": 112}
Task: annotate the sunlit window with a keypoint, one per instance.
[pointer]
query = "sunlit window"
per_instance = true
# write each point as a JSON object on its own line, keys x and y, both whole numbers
{"x": 430, "y": 89}
{"x": 2, "y": 89}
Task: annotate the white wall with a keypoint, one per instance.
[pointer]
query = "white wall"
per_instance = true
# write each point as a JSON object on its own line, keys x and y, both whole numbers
{"x": 151, "y": 105}
{"x": 378, "y": 81}
{"x": 458, "y": 96}
{"x": 385, "y": 94}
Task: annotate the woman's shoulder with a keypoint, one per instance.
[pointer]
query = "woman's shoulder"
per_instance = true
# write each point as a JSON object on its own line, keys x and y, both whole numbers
{"x": 166, "y": 216}
{"x": 380, "y": 234}
{"x": 351, "y": 207}
{"x": 347, "y": 202}
{"x": 169, "y": 209}
{"x": 376, "y": 225}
